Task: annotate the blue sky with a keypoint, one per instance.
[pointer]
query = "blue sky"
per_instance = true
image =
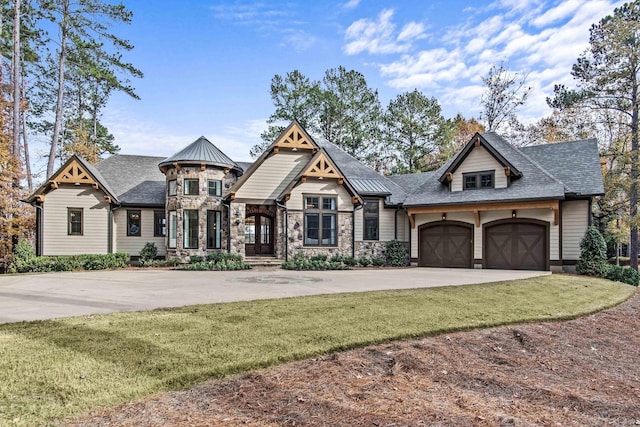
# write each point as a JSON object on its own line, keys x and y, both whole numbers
{"x": 208, "y": 64}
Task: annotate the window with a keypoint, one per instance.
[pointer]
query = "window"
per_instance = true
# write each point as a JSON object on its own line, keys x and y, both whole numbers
{"x": 478, "y": 180}
{"x": 133, "y": 222}
{"x": 371, "y": 217}
{"x": 171, "y": 187}
{"x": 159, "y": 224}
{"x": 173, "y": 226}
{"x": 191, "y": 187}
{"x": 214, "y": 229}
{"x": 214, "y": 187}
{"x": 320, "y": 221}
{"x": 190, "y": 228}
{"x": 74, "y": 221}
{"x": 250, "y": 230}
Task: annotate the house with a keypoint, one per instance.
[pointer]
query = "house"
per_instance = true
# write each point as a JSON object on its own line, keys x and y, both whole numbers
{"x": 491, "y": 206}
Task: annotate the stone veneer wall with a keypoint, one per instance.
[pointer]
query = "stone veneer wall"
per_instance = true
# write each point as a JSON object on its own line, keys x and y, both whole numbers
{"x": 371, "y": 249}
{"x": 296, "y": 237}
{"x": 238, "y": 211}
{"x": 202, "y": 202}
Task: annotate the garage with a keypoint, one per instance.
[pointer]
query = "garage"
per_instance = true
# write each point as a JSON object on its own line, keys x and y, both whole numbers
{"x": 516, "y": 244}
{"x": 445, "y": 244}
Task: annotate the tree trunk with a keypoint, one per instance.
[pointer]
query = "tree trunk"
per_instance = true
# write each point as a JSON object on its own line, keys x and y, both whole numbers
{"x": 61, "y": 78}
{"x": 16, "y": 81}
{"x": 633, "y": 192}
{"x": 27, "y": 161}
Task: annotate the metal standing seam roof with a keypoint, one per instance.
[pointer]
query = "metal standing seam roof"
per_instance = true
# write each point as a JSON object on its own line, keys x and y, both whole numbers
{"x": 201, "y": 151}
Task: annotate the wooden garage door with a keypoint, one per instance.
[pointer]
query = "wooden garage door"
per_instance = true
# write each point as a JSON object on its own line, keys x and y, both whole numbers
{"x": 516, "y": 245}
{"x": 445, "y": 244}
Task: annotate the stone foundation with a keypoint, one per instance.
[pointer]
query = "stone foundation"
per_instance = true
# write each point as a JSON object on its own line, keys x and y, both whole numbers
{"x": 371, "y": 249}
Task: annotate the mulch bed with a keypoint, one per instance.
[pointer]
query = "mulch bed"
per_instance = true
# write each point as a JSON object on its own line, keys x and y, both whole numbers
{"x": 575, "y": 373}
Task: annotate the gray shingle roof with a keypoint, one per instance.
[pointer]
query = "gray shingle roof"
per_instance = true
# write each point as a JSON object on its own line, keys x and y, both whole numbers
{"x": 535, "y": 183}
{"x": 201, "y": 151}
{"x": 575, "y": 163}
{"x": 135, "y": 180}
{"x": 353, "y": 169}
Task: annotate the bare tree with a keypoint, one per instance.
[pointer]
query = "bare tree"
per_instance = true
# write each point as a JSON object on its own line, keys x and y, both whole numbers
{"x": 506, "y": 92}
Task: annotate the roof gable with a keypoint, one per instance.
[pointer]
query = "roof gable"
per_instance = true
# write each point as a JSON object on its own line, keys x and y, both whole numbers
{"x": 295, "y": 137}
{"x": 75, "y": 171}
{"x": 476, "y": 141}
{"x": 321, "y": 167}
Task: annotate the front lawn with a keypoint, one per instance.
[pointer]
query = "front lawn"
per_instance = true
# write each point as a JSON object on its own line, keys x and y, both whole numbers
{"x": 59, "y": 368}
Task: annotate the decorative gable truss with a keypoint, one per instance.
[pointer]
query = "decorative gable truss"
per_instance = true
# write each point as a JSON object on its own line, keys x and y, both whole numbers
{"x": 295, "y": 138}
{"x": 73, "y": 173}
{"x": 321, "y": 167}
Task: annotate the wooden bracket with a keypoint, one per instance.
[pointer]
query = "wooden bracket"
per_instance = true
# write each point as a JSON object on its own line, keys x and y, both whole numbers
{"x": 507, "y": 171}
{"x": 95, "y": 186}
{"x": 412, "y": 220}
{"x": 227, "y": 170}
{"x": 287, "y": 197}
{"x": 107, "y": 199}
{"x": 40, "y": 198}
{"x": 476, "y": 214}
{"x": 477, "y": 142}
{"x": 354, "y": 199}
{"x": 203, "y": 166}
{"x": 303, "y": 179}
{"x": 449, "y": 176}
{"x": 232, "y": 195}
{"x": 54, "y": 184}
{"x": 556, "y": 216}
{"x": 177, "y": 166}
{"x": 340, "y": 181}
{"x": 276, "y": 150}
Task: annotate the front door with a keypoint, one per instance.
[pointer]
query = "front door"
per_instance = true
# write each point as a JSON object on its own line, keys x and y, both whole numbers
{"x": 258, "y": 235}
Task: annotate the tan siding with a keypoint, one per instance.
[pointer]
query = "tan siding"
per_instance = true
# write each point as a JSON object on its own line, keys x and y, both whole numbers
{"x": 403, "y": 226}
{"x": 56, "y": 240}
{"x": 479, "y": 160}
{"x": 327, "y": 187}
{"x": 386, "y": 223}
{"x": 133, "y": 244}
{"x": 485, "y": 217}
{"x": 575, "y": 220}
{"x": 272, "y": 176}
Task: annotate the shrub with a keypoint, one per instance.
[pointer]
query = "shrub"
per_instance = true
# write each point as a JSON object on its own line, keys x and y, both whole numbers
{"x": 378, "y": 262}
{"x": 148, "y": 252}
{"x": 350, "y": 261}
{"x": 319, "y": 257}
{"x": 195, "y": 259}
{"x": 623, "y": 274}
{"x": 364, "y": 261}
{"x": 593, "y": 254}
{"x": 43, "y": 264}
{"x": 396, "y": 254}
{"x": 23, "y": 251}
{"x": 336, "y": 258}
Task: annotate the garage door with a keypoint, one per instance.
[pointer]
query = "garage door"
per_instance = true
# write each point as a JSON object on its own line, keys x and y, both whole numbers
{"x": 445, "y": 244}
{"x": 516, "y": 245}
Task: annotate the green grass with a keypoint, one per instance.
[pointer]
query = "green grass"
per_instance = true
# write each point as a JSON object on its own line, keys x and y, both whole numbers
{"x": 60, "y": 368}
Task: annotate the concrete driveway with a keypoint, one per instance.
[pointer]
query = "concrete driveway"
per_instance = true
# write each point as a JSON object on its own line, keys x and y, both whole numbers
{"x": 47, "y": 296}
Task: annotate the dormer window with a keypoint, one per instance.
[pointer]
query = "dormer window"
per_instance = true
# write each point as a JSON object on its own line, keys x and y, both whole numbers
{"x": 478, "y": 180}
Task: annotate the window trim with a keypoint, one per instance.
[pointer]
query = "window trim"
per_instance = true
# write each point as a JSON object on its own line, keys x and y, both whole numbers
{"x": 172, "y": 229}
{"x": 185, "y": 234}
{"x": 139, "y": 232}
{"x": 478, "y": 176}
{"x": 364, "y": 220}
{"x": 185, "y": 187}
{"x": 69, "y": 228}
{"x": 218, "y": 192}
{"x": 175, "y": 187}
{"x": 320, "y": 212}
{"x": 163, "y": 223}
{"x": 217, "y": 238}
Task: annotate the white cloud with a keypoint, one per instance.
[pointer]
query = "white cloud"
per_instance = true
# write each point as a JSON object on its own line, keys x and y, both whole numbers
{"x": 351, "y": 4}
{"x": 299, "y": 40}
{"x": 378, "y": 37}
{"x": 529, "y": 36}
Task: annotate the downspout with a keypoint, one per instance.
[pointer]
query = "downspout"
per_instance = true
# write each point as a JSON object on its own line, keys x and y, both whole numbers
{"x": 353, "y": 230}
{"x": 110, "y": 228}
{"x": 286, "y": 230}
{"x": 228, "y": 226}
{"x": 410, "y": 233}
{"x": 39, "y": 212}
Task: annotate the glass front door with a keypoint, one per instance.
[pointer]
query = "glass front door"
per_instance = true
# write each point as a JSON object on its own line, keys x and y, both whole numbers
{"x": 258, "y": 235}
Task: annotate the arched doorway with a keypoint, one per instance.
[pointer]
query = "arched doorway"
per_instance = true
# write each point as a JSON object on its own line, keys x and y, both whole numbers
{"x": 258, "y": 235}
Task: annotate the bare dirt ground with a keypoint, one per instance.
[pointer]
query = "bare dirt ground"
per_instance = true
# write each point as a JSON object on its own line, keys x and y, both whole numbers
{"x": 575, "y": 373}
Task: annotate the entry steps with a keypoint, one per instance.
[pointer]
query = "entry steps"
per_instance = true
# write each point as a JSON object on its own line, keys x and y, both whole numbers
{"x": 263, "y": 261}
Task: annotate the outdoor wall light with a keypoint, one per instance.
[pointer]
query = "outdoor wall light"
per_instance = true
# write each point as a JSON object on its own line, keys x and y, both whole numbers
{"x": 444, "y": 216}
{"x": 513, "y": 213}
